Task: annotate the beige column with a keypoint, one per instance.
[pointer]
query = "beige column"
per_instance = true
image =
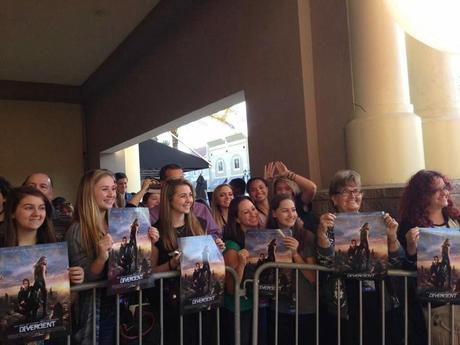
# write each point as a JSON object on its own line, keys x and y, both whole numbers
{"x": 126, "y": 161}
{"x": 384, "y": 138}
{"x": 433, "y": 89}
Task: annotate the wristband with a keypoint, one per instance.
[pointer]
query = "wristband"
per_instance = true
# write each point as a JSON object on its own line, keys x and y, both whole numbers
{"x": 323, "y": 236}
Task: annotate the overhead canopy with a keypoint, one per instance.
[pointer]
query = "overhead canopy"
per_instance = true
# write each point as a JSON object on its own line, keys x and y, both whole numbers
{"x": 153, "y": 155}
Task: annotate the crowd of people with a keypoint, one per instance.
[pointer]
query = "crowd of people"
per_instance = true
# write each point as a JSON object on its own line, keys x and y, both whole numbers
{"x": 281, "y": 199}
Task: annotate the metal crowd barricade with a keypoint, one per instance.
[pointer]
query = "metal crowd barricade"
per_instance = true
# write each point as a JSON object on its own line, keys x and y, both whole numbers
{"x": 161, "y": 277}
{"x": 298, "y": 267}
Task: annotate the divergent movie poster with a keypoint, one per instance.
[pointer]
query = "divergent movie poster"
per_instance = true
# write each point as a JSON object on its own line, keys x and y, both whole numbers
{"x": 267, "y": 245}
{"x": 202, "y": 274}
{"x": 130, "y": 266}
{"x": 438, "y": 262}
{"x": 34, "y": 292}
{"x": 361, "y": 248}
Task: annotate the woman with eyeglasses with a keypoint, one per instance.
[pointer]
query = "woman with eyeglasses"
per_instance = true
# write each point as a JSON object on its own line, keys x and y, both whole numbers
{"x": 426, "y": 202}
{"x": 346, "y": 196}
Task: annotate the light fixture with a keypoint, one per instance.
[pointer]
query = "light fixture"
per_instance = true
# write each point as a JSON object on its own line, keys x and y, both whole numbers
{"x": 433, "y": 22}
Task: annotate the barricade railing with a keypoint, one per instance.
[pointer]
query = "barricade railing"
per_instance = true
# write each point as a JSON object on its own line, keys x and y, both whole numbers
{"x": 302, "y": 267}
{"x": 238, "y": 293}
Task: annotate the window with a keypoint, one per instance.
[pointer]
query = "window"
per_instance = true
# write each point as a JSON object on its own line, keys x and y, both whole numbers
{"x": 220, "y": 166}
{"x": 236, "y": 163}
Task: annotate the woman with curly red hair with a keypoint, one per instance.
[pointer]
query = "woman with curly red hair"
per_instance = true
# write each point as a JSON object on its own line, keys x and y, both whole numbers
{"x": 426, "y": 202}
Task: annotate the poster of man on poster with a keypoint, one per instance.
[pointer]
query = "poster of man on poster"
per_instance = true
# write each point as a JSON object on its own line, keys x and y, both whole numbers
{"x": 202, "y": 274}
{"x": 130, "y": 258}
{"x": 438, "y": 261}
{"x": 34, "y": 292}
{"x": 267, "y": 245}
{"x": 361, "y": 248}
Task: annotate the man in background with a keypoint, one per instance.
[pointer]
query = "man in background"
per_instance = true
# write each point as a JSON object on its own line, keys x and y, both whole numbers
{"x": 123, "y": 197}
{"x": 174, "y": 171}
{"x": 42, "y": 182}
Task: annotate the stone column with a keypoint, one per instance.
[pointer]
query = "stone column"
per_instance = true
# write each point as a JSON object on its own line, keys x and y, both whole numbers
{"x": 384, "y": 137}
{"x": 434, "y": 92}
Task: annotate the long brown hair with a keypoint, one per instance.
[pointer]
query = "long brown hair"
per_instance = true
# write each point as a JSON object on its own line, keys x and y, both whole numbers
{"x": 298, "y": 232}
{"x": 168, "y": 235}
{"x": 45, "y": 233}
{"x": 233, "y": 231}
{"x": 87, "y": 213}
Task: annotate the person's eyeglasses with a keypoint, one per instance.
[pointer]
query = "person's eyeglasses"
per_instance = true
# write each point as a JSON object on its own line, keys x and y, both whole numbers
{"x": 441, "y": 189}
{"x": 351, "y": 192}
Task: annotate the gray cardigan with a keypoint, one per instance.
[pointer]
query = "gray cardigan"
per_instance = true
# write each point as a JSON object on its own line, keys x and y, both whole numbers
{"x": 83, "y": 334}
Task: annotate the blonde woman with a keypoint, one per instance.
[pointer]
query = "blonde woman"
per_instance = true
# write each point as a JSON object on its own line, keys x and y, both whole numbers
{"x": 221, "y": 198}
{"x": 89, "y": 247}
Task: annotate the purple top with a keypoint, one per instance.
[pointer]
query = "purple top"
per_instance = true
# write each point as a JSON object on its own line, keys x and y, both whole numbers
{"x": 199, "y": 210}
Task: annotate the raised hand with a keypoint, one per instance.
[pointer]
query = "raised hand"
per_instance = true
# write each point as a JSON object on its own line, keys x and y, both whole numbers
{"x": 281, "y": 168}
{"x": 269, "y": 171}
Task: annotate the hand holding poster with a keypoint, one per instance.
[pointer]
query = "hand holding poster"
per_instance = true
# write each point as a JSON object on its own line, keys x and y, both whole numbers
{"x": 34, "y": 290}
{"x": 267, "y": 245}
{"x": 129, "y": 261}
{"x": 438, "y": 260}
{"x": 361, "y": 249}
{"x": 202, "y": 273}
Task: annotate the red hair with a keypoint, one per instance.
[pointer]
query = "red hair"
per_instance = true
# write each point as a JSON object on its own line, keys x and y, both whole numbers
{"x": 416, "y": 199}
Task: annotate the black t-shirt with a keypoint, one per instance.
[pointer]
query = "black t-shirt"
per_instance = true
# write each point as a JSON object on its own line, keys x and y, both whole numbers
{"x": 310, "y": 222}
{"x": 163, "y": 253}
{"x": 170, "y": 286}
